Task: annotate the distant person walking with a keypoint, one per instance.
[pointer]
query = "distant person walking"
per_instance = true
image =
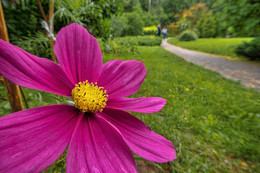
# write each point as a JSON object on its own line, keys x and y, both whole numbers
{"x": 159, "y": 30}
{"x": 164, "y": 31}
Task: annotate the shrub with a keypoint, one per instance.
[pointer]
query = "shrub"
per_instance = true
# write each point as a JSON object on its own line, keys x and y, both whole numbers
{"x": 148, "y": 40}
{"x": 144, "y": 40}
{"x": 128, "y": 45}
{"x": 183, "y": 25}
{"x": 134, "y": 24}
{"x": 150, "y": 33}
{"x": 187, "y": 35}
{"x": 149, "y": 19}
{"x": 119, "y": 45}
{"x": 172, "y": 29}
{"x": 207, "y": 26}
{"x": 250, "y": 49}
{"x": 118, "y": 26}
{"x": 150, "y": 30}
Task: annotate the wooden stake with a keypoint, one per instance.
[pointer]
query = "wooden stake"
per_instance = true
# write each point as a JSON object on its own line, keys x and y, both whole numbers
{"x": 51, "y": 11}
{"x": 13, "y": 93}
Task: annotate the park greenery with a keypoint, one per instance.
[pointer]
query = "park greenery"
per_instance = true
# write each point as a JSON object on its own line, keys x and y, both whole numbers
{"x": 218, "y": 46}
{"x": 250, "y": 49}
{"x": 212, "y": 121}
{"x": 187, "y": 35}
{"x": 109, "y": 19}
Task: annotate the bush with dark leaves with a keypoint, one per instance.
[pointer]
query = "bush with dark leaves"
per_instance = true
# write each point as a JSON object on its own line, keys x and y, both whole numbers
{"x": 187, "y": 36}
{"x": 250, "y": 49}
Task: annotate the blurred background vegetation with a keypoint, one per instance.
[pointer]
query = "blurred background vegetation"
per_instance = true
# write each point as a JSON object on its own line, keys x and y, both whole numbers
{"x": 108, "y": 19}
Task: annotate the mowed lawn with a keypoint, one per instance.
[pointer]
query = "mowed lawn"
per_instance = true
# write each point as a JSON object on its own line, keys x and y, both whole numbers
{"x": 213, "y": 122}
{"x": 218, "y": 46}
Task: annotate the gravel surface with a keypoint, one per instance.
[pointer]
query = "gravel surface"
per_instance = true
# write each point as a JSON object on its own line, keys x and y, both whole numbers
{"x": 247, "y": 73}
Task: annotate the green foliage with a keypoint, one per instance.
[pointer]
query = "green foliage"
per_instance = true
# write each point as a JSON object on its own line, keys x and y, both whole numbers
{"x": 150, "y": 30}
{"x": 127, "y": 24}
{"x": 187, "y": 35}
{"x": 76, "y": 11}
{"x": 147, "y": 40}
{"x": 149, "y": 19}
{"x": 119, "y": 45}
{"x": 132, "y": 22}
{"x": 144, "y": 5}
{"x": 219, "y": 46}
{"x": 250, "y": 49}
{"x": 38, "y": 45}
{"x": 240, "y": 15}
{"x": 142, "y": 40}
{"x": 94, "y": 15}
{"x": 194, "y": 13}
{"x": 118, "y": 25}
{"x": 16, "y": 17}
{"x": 29, "y": 34}
{"x": 138, "y": 18}
{"x": 172, "y": 29}
{"x": 189, "y": 18}
{"x": 152, "y": 12}
{"x": 183, "y": 24}
{"x": 207, "y": 26}
{"x": 129, "y": 5}
{"x": 128, "y": 45}
{"x": 175, "y": 6}
{"x": 135, "y": 24}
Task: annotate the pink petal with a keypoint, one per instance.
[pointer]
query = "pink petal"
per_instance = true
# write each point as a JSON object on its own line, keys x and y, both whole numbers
{"x": 97, "y": 147}
{"x": 78, "y": 53}
{"x": 30, "y": 71}
{"x": 140, "y": 138}
{"x": 31, "y": 140}
{"x": 142, "y": 104}
{"x": 122, "y": 78}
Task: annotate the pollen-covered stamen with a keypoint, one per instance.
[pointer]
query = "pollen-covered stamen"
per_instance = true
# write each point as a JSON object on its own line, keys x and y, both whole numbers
{"x": 88, "y": 97}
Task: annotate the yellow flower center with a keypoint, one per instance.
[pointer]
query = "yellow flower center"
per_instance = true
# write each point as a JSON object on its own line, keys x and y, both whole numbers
{"x": 88, "y": 97}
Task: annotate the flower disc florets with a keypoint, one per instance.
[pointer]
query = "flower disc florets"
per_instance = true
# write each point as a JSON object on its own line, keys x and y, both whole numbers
{"x": 88, "y": 97}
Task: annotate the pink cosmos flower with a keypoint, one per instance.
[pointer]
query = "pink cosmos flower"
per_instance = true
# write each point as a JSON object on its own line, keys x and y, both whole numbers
{"x": 97, "y": 129}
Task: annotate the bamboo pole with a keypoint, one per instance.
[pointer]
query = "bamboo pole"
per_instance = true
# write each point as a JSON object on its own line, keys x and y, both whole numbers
{"x": 51, "y": 11}
{"x": 13, "y": 93}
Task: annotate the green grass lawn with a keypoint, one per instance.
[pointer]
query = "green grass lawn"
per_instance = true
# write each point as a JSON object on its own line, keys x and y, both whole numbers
{"x": 218, "y": 46}
{"x": 213, "y": 122}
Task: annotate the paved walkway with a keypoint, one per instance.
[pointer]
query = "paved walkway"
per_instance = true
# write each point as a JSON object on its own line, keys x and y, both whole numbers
{"x": 246, "y": 72}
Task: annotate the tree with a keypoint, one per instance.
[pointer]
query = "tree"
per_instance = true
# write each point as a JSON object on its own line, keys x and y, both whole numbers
{"x": 135, "y": 24}
{"x": 194, "y": 13}
{"x": 207, "y": 26}
{"x": 118, "y": 25}
{"x": 176, "y": 6}
{"x": 94, "y": 15}
{"x": 240, "y": 15}
{"x": 129, "y": 4}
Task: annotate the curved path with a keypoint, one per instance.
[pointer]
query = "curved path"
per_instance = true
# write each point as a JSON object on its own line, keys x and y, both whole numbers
{"x": 247, "y": 73}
